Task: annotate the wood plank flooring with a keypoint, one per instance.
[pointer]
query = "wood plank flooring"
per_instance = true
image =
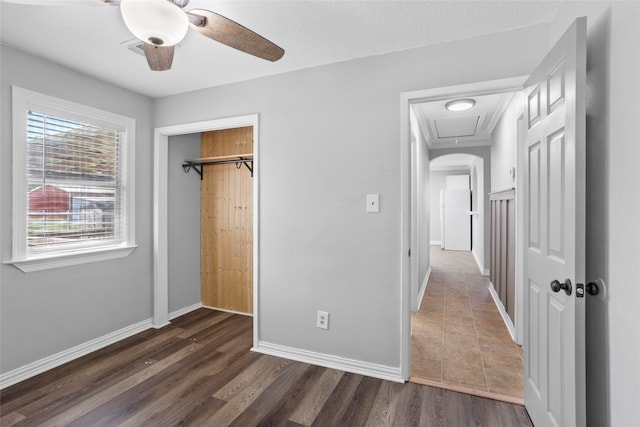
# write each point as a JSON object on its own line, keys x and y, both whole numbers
{"x": 199, "y": 371}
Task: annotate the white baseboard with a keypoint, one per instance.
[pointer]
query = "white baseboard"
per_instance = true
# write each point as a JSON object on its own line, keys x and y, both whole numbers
{"x": 423, "y": 288}
{"x": 436, "y": 242}
{"x": 483, "y": 271}
{"x": 39, "y": 366}
{"x": 330, "y": 361}
{"x": 505, "y": 317}
{"x": 185, "y": 310}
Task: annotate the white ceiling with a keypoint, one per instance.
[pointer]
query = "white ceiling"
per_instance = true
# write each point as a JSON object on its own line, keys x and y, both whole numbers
{"x": 442, "y": 128}
{"x": 93, "y": 40}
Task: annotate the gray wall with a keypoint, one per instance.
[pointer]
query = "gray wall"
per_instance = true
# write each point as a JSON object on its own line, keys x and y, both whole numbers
{"x": 613, "y": 203}
{"x": 329, "y": 136}
{"x": 503, "y": 145}
{"x": 45, "y": 312}
{"x": 183, "y": 223}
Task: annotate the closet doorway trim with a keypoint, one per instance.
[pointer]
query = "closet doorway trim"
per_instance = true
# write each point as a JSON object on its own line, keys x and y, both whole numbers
{"x": 160, "y": 213}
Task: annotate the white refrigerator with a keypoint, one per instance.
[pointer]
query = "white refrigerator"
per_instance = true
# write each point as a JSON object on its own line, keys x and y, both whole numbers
{"x": 456, "y": 222}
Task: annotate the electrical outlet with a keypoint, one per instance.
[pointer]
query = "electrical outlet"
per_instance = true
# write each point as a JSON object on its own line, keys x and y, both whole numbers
{"x": 323, "y": 320}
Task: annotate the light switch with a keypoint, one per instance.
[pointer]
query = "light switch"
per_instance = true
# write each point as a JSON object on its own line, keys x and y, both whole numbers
{"x": 373, "y": 203}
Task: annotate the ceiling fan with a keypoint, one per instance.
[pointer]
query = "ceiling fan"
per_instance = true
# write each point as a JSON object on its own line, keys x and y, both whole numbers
{"x": 161, "y": 24}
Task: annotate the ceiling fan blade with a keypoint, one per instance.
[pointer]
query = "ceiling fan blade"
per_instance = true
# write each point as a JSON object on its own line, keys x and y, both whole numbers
{"x": 159, "y": 58}
{"x": 226, "y": 31}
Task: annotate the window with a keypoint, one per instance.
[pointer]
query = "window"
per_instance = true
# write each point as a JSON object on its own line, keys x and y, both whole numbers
{"x": 72, "y": 183}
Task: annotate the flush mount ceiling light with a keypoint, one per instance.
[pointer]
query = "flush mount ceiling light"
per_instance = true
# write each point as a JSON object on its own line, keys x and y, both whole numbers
{"x": 460, "y": 104}
{"x": 157, "y": 22}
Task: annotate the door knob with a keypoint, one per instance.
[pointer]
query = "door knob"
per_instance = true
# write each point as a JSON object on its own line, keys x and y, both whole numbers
{"x": 556, "y": 286}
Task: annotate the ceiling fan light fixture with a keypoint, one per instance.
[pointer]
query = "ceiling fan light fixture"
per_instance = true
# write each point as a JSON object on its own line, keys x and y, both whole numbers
{"x": 157, "y": 22}
{"x": 460, "y": 104}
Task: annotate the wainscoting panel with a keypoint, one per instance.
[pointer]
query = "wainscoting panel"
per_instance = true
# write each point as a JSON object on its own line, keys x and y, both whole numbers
{"x": 503, "y": 250}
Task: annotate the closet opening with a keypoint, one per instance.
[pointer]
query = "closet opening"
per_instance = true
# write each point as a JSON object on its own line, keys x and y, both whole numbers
{"x": 226, "y": 155}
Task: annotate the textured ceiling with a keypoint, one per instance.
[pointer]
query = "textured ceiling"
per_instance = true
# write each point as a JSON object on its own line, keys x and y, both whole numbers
{"x": 93, "y": 40}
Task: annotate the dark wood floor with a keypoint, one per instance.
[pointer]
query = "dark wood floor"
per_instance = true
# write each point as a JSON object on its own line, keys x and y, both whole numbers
{"x": 199, "y": 371}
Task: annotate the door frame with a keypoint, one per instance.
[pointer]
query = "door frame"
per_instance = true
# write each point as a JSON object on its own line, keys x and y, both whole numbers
{"x": 408, "y": 210}
{"x": 160, "y": 208}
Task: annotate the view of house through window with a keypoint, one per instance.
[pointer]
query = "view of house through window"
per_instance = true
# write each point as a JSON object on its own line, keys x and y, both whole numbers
{"x": 73, "y": 182}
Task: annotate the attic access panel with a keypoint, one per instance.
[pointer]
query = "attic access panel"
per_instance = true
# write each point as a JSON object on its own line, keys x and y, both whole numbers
{"x": 456, "y": 127}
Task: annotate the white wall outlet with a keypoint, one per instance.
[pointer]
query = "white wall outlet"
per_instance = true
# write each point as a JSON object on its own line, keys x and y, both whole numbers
{"x": 373, "y": 203}
{"x": 323, "y": 320}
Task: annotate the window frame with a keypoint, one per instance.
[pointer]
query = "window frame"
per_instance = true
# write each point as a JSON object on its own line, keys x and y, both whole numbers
{"x": 24, "y": 100}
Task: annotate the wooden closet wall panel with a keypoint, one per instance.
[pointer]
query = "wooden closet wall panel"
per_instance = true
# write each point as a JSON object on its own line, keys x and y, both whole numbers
{"x": 226, "y": 223}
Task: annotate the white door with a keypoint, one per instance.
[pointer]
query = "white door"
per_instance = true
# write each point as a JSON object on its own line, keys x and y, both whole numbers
{"x": 457, "y": 222}
{"x": 554, "y": 390}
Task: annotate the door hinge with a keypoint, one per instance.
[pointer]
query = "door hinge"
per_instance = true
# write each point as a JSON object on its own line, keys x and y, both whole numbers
{"x": 409, "y": 252}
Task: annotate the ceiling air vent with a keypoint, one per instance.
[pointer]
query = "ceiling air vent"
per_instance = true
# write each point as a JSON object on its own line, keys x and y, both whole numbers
{"x": 135, "y": 46}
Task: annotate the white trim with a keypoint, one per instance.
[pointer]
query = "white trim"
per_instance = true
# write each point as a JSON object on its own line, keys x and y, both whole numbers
{"x": 436, "y": 242}
{"x": 415, "y": 250}
{"x": 405, "y": 236}
{"x": 160, "y": 212}
{"x": 72, "y": 258}
{"x": 503, "y": 313}
{"x": 423, "y": 289}
{"x": 330, "y": 361}
{"x": 228, "y": 311}
{"x": 407, "y": 98}
{"x": 521, "y": 181}
{"x": 483, "y": 271}
{"x": 32, "y": 369}
{"x": 184, "y": 310}
{"x": 24, "y": 100}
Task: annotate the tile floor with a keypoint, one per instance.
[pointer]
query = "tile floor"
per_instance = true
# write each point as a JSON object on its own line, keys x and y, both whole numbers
{"x": 459, "y": 340}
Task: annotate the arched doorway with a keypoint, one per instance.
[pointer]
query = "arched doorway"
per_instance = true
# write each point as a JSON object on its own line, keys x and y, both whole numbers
{"x": 460, "y": 163}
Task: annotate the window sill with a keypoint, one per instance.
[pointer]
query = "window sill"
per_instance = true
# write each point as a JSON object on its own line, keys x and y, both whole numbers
{"x": 72, "y": 258}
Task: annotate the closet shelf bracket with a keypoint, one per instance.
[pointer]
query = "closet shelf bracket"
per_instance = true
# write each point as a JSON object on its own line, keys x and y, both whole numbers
{"x": 237, "y": 159}
{"x": 187, "y": 167}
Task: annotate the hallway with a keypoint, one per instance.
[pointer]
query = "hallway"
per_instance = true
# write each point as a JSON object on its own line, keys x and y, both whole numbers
{"x": 459, "y": 340}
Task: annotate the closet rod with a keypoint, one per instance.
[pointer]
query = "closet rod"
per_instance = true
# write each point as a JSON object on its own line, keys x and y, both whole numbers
{"x": 198, "y": 164}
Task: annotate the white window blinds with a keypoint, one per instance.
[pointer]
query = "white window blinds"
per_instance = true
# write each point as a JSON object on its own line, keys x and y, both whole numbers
{"x": 75, "y": 183}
